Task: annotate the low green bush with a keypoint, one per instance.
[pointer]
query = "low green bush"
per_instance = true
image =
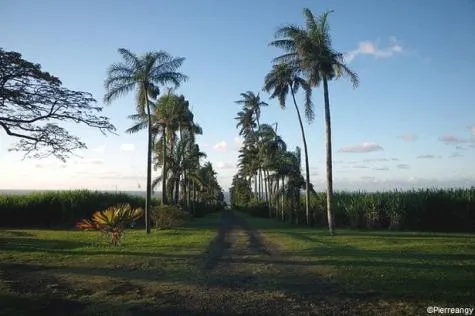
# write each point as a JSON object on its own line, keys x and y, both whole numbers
{"x": 169, "y": 216}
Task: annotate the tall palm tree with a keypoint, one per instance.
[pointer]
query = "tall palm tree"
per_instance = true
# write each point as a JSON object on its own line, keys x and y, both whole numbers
{"x": 246, "y": 122}
{"x": 253, "y": 103}
{"x": 268, "y": 145}
{"x": 143, "y": 74}
{"x": 163, "y": 119}
{"x": 280, "y": 80}
{"x": 310, "y": 50}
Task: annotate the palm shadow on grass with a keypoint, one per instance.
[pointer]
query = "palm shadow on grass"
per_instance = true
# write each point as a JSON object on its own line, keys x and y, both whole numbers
{"x": 290, "y": 275}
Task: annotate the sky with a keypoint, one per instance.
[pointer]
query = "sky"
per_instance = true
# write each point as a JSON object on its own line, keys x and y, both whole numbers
{"x": 410, "y": 123}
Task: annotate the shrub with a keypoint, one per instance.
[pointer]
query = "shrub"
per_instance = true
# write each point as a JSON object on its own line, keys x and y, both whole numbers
{"x": 112, "y": 221}
{"x": 168, "y": 216}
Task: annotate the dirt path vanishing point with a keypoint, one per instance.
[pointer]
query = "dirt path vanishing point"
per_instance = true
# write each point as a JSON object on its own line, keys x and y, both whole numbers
{"x": 245, "y": 274}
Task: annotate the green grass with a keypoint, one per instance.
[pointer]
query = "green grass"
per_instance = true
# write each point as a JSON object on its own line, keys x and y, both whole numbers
{"x": 91, "y": 276}
{"x": 356, "y": 272}
{"x": 422, "y": 267}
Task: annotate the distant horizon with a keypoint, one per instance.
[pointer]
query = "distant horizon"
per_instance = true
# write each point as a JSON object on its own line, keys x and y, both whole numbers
{"x": 442, "y": 187}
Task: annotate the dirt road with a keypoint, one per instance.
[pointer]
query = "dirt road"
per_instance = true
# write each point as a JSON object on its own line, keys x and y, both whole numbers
{"x": 244, "y": 273}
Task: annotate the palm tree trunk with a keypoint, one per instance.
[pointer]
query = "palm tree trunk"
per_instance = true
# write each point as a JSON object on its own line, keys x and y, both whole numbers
{"x": 307, "y": 171}
{"x": 277, "y": 181}
{"x": 331, "y": 223}
{"x": 260, "y": 185}
{"x": 185, "y": 188}
{"x": 282, "y": 197}
{"x": 164, "y": 170}
{"x": 177, "y": 189}
{"x": 266, "y": 189}
{"x": 148, "y": 198}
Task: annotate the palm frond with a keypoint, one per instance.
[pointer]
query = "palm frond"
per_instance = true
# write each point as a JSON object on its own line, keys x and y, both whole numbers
{"x": 117, "y": 90}
{"x": 343, "y": 70}
{"x": 137, "y": 127}
{"x": 311, "y": 24}
{"x": 131, "y": 59}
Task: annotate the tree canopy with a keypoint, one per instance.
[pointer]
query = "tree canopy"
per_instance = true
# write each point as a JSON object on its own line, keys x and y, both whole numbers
{"x": 33, "y": 103}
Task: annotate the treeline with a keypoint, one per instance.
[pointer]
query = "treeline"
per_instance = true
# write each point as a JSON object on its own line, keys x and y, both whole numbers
{"x": 58, "y": 208}
{"x": 65, "y": 208}
{"x": 449, "y": 210}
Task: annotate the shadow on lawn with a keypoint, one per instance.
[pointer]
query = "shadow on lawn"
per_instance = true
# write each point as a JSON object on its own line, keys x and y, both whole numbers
{"x": 14, "y": 233}
{"x": 36, "y": 244}
{"x": 216, "y": 287}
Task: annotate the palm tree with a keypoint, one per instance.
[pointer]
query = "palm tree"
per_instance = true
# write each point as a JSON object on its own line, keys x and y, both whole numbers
{"x": 282, "y": 78}
{"x": 269, "y": 143}
{"x": 163, "y": 117}
{"x": 249, "y": 117}
{"x": 310, "y": 50}
{"x": 246, "y": 122}
{"x": 253, "y": 103}
{"x": 143, "y": 74}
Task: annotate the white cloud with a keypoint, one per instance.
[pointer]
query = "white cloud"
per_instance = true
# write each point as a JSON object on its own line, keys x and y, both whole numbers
{"x": 452, "y": 140}
{"x": 426, "y": 157}
{"x": 403, "y": 166}
{"x": 96, "y": 161}
{"x": 408, "y": 137}
{"x": 473, "y": 131}
{"x": 363, "y": 148}
{"x": 371, "y": 48}
{"x": 373, "y": 160}
{"x": 224, "y": 165}
{"x": 455, "y": 155}
{"x": 100, "y": 149}
{"x": 127, "y": 147}
{"x": 221, "y": 146}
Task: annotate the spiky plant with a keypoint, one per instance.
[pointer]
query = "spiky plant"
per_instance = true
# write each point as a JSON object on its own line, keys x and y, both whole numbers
{"x": 112, "y": 221}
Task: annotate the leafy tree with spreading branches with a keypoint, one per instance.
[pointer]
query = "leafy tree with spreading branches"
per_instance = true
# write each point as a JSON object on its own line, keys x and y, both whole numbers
{"x": 33, "y": 104}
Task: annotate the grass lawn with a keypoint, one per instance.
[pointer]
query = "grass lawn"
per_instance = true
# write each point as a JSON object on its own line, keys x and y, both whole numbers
{"x": 409, "y": 267}
{"x": 47, "y": 272}
{"x": 234, "y": 270}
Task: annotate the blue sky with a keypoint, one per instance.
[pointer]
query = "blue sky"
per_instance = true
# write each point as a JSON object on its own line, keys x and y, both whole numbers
{"x": 410, "y": 123}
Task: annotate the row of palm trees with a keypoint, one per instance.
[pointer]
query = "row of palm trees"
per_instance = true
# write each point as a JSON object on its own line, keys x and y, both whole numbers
{"x": 268, "y": 173}
{"x": 308, "y": 61}
{"x": 170, "y": 126}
